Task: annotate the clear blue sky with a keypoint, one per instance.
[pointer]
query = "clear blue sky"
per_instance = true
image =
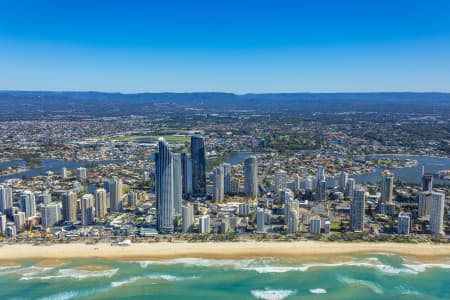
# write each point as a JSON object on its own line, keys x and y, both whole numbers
{"x": 235, "y": 46}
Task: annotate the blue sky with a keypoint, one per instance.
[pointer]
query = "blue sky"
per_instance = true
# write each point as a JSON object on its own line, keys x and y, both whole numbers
{"x": 234, "y": 46}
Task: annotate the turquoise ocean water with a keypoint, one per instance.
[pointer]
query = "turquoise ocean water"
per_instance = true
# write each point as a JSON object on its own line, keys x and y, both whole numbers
{"x": 376, "y": 276}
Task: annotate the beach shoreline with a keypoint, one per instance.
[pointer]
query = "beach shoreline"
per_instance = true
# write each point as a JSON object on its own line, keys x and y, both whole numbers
{"x": 222, "y": 250}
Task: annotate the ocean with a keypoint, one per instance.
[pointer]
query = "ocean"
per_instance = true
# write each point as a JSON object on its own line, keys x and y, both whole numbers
{"x": 376, "y": 276}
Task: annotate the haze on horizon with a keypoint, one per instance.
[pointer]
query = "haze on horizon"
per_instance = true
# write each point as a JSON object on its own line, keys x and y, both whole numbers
{"x": 234, "y": 46}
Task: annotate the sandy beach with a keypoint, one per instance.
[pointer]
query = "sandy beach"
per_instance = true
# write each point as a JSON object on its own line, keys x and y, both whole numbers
{"x": 55, "y": 254}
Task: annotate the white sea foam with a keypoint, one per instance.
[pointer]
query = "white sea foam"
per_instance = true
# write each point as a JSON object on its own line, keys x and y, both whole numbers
{"x": 62, "y": 296}
{"x": 72, "y": 273}
{"x": 376, "y": 288}
{"x": 164, "y": 277}
{"x": 318, "y": 291}
{"x": 404, "y": 290}
{"x": 126, "y": 281}
{"x": 272, "y": 266}
{"x": 268, "y": 294}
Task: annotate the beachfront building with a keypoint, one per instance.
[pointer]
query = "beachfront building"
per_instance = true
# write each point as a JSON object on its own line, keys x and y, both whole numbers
{"x": 177, "y": 184}
{"x": 292, "y": 221}
{"x": 19, "y": 219}
{"x": 218, "y": 184}
{"x": 87, "y": 210}
{"x": 50, "y": 214}
{"x": 69, "y": 206}
{"x": 227, "y": 177}
{"x": 27, "y": 203}
{"x": 198, "y": 156}
{"x": 6, "y": 199}
{"x": 115, "y": 194}
{"x": 260, "y": 219}
{"x": 357, "y": 209}
{"x": 251, "y": 177}
{"x": 204, "y": 224}
{"x": 315, "y": 225}
{"x": 100, "y": 203}
{"x": 404, "y": 223}
{"x": 424, "y": 199}
{"x": 186, "y": 172}
{"x": 164, "y": 188}
{"x": 187, "y": 216}
{"x": 437, "y": 213}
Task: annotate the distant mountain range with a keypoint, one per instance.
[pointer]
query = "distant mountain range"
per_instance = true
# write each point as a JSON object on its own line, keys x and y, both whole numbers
{"x": 30, "y": 103}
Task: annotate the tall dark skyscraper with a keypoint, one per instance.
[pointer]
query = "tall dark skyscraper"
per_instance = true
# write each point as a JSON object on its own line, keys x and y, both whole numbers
{"x": 198, "y": 156}
{"x": 164, "y": 187}
{"x": 427, "y": 182}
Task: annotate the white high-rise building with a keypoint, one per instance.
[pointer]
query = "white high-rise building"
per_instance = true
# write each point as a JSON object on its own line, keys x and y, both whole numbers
{"x": 69, "y": 206}
{"x": 81, "y": 174}
{"x": 6, "y": 198}
{"x": 316, "y": 224}
{"x": 45, "y": 198}
{"x": 164, "y": 187}
{"x": 187, "y": 216}
{"x": 404, "y": 223}
{"x": 296, "y": 182}
{"x": 387, "y": 187}
{"x": 50, "y": 214}
{"x": 424, "y": 204}
{"x": 115, "y": 194}
{"x": 100, "y": 203}
{"x": 87, "y": 210}
{"x": 177, "y": 183}
{"x": 2, "y": 223}
{"x": 350, "y": 187}
{"x": 437, "y": 213}
{"x": 260, "y": 218}
{"x": 251, "y": 177}
{"x": 19, "y": 220}
{"x": 280, "y": 180}
{"x": 218, "y": 181}
{"x": 357, "y": 210}
{"x": 227, "y": 176}
{"x": 64, "y": 173}
{"x": 343, "y": 178}
{"x": 292, "y": 221}
{"x": 204, "y": 224}
{"x": 28, "y": 203}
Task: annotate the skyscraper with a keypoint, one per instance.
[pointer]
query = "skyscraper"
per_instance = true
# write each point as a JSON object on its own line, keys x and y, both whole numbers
{"x": 260, "y": 219}
{"x": 321, "y": 194}
{"x": 69, "y": 206}
{"x": 343, "y": 178}
{"x": 218, "y": 181}
{"x": 404, "y": 223}
{"x": 87, "y": 210}
{"x": 204, "y": 224}
{"x": 28, "y": 203}
{"x": 437, "y": 213}
{"x": 226, "y": 178}
{"x": 164, "y": 187}
{"x": 358, "y": 209}
{"x": 198, "y": 155}
{"x": 81, "y": 174}
{"x": 50, "y": 214}
{"x": 100, "y": 203}
{"x": 387, "y": 187}
{"x": 187, "y": 218}
{"x": 251, "y": 177}
{"x": 115, "y": 194}
{"x": 186, "y": 171}
{"x": 6, "y": 199}
{"x": 427, "y": 182}
{"x": 292, "y": 221}
{"x": 350, "y": 187}
{"x": 424, "y": 199}
{"x": 177, "y": 183}
{"x": 280, "y": 180}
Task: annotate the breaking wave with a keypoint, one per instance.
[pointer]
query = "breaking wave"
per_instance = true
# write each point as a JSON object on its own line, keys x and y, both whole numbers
{"x": 268, "y": 294}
